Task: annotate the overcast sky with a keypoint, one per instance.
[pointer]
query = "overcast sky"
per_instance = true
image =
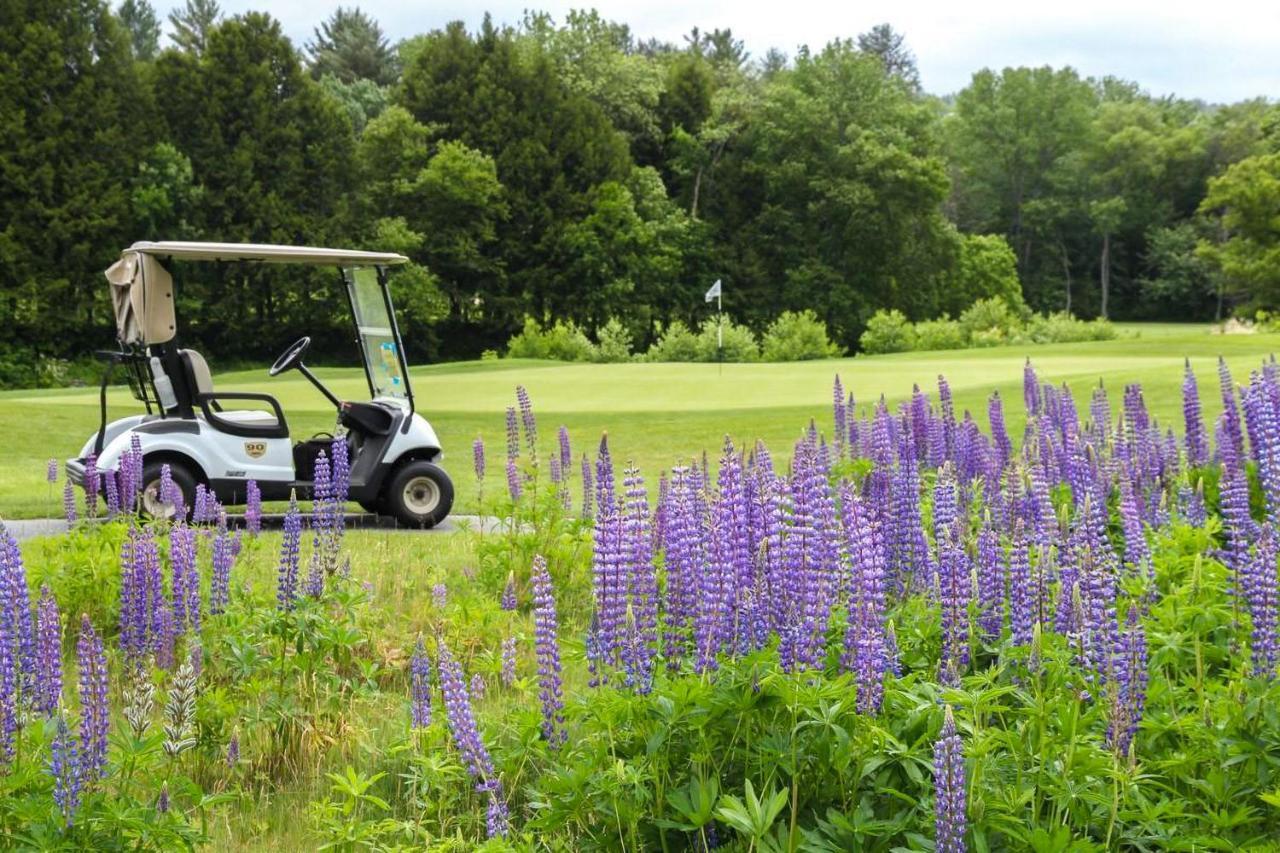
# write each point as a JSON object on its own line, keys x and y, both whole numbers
{"x": 1217, "y": 51}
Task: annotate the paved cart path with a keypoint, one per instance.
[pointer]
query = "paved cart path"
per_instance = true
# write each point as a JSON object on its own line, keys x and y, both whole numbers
{"x": 27, "y": 528}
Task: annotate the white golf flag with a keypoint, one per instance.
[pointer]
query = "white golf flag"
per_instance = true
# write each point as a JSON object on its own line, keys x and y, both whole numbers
{"x": 714, "y": 291}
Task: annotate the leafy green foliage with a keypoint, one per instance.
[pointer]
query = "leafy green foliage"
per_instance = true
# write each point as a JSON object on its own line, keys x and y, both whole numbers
{"x": 888, "y": 331}
{"x": 797, "y": 336}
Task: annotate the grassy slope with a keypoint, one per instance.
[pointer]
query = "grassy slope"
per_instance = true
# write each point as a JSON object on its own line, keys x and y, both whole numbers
{"x": 658, "y": 413}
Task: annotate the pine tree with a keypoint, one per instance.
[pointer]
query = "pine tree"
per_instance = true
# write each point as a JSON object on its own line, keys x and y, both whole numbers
{"x": 193, "y": 23}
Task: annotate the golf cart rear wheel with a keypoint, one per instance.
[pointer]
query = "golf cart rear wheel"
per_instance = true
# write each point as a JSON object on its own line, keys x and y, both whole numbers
{"x": 420, "y": 494}
{"x": 183, "y": 480}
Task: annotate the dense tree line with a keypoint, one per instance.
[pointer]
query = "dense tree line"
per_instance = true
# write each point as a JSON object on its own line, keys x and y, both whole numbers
{"x": 565, "y": 170}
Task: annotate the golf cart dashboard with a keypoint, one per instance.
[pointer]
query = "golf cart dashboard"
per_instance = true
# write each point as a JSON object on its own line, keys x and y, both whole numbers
{"x": 368, "y": 418}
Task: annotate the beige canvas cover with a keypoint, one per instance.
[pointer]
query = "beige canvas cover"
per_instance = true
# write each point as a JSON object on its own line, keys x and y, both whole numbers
{"x": 142, "y": 299}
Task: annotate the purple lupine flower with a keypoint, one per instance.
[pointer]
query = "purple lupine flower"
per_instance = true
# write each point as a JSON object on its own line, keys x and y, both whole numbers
{"x": 588, "y": 489}
{"x": 95, "y": 719}
{"x": 322, "y": 513}
{"x": 142, "y": 599}
{"x": 955, "y": 593}
{"x": 866, "y": 651}
{"x": 340, "y": 466}
{"x": 51, "y": 471}
{"x": 513, "y": 433}
{"x": 162, "y": 801}
{"x": 200, "y": 512}
{"x": 907, "y": 545}
{"x": 1231, "y": 437}
{"x": 999, "y": 435}
{"x": 233, "y": 749}
{"x": 1030, "y": 389}
{"x": 991, "y": 583}
{"x": 513, "y": 480}
{"x": 1136, "y": 550}
{"x": 224, "y": 557}
{"x": 948, "y": 416}
{"x": 608, "y": 584}
{"x": 566, "y": 454}
{"x": 186, "y": 578}
{"x": 91, "y": 485}
{"x": 1023, "y": 602}
{"x": 478, "y": 687}
{"x": 439, "y": 596}
{"x": 1197, "y": 443}
{"x": 529, "y": 422}
{"x": 508, "y": 674}
{"x": 165, "y": 639}
{"x": 950, "y": 821}
{"x": 1260, "y": 592}
{"x": 113, "y": 494}
{"x": 65, "y": 766}
{"x": 8, "y": 688}
{"x": 477, "y": 457}
{"x": 48, "y": 682}
{"x": 840, "y": 413}
{"x": 1237, "y": 522}
{"x": 497, "y": 816}
{"x": 253, "y": 508}
{"x": 641, "y": 585}
{"x": 420, "y": 687}
{"x": 69, "y": 503}
{"x": 508, "y": 601}
{"x": 1129, "y": 691}
{"x": 547, "y": 643}
{"x": 287, "y": 572}
{"x": 15, "y": 614}
{"x": 461, "y": 718}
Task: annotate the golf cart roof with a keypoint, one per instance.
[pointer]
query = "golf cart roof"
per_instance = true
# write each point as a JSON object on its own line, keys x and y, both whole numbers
{"x": 264, "y": 253}
{"x": 142, "y": 289}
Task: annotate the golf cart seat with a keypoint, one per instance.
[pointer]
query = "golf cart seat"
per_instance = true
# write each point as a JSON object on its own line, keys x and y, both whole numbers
{"x": 245, "y": 422}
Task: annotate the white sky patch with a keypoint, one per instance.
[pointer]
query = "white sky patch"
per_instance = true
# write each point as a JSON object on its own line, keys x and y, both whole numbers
{"x": 1218, "y": 52}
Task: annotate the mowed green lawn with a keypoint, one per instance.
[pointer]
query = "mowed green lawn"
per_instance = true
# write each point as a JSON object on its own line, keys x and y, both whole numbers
{"x": 658, "y": 414}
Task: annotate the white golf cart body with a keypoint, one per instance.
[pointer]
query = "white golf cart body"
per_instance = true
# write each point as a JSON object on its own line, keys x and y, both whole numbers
{"x": 188, "y": 427}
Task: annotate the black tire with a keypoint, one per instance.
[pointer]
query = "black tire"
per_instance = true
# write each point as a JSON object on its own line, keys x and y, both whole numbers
{"x": 183, "y": 477}
{"x": 419, "y": 494}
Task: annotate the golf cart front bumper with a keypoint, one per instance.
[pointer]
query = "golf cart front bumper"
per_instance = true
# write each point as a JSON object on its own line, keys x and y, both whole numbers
{"x": 75, "y": 471}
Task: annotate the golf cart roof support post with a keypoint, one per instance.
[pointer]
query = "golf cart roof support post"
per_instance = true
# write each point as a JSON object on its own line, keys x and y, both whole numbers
{"x": 395, "y": 331}
{"x": 347, "y": 276}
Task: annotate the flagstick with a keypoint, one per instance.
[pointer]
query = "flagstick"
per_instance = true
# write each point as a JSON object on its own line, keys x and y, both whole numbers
{"x": 719, "y": 332}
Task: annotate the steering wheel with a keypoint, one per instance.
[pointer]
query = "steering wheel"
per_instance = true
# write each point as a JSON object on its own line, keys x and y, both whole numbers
{"x": 290, "y": 358}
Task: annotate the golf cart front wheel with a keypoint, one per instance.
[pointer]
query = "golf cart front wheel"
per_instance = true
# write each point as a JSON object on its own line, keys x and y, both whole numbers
{"x": 153, "y": 506}
{"x": 420, "y": 494}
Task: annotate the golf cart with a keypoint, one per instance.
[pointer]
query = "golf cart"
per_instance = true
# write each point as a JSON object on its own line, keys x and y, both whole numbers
{"x": 225, "y": 439}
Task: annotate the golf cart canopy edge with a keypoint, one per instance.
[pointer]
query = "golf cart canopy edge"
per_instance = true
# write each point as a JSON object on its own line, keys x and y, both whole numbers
{"x": 142, "y": 289}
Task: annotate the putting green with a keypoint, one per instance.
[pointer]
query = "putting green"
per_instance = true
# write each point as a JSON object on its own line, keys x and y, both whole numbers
{"x": 656, "y": 414}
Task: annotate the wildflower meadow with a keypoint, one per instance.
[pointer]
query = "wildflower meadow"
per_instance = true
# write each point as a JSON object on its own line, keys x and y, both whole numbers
{"x": 911, "y": 630}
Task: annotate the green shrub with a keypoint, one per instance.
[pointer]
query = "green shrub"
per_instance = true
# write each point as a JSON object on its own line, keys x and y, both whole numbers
{"x": 739, "y": 343}
{"x": 1063, "y": 328}
{"x": 987, "y": 314}
{"x": 614, "y": 342}
{"x": 562, "y": 342}
{"x": 985, "y": 268}
{"x": 798, "y": 336}
{"x": 943, "y": 333}
{"x": 993, "y": 337}
{"x": 888, "y": 331}
{"x": 677, "y": 343}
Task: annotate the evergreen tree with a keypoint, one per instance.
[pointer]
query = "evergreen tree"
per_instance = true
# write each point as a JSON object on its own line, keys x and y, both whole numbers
{"x": 351, "y": 46}
{"x": 139, "y": 19}
{"x": 192, "y": 24}
{"x": 890, "y": 47}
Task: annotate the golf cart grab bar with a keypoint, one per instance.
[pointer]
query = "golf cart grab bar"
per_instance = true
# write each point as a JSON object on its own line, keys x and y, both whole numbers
{"x": 248, "y": 430}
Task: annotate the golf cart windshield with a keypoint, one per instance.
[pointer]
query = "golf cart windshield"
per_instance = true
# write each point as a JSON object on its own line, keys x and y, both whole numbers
{"x": 375, "y": 325}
